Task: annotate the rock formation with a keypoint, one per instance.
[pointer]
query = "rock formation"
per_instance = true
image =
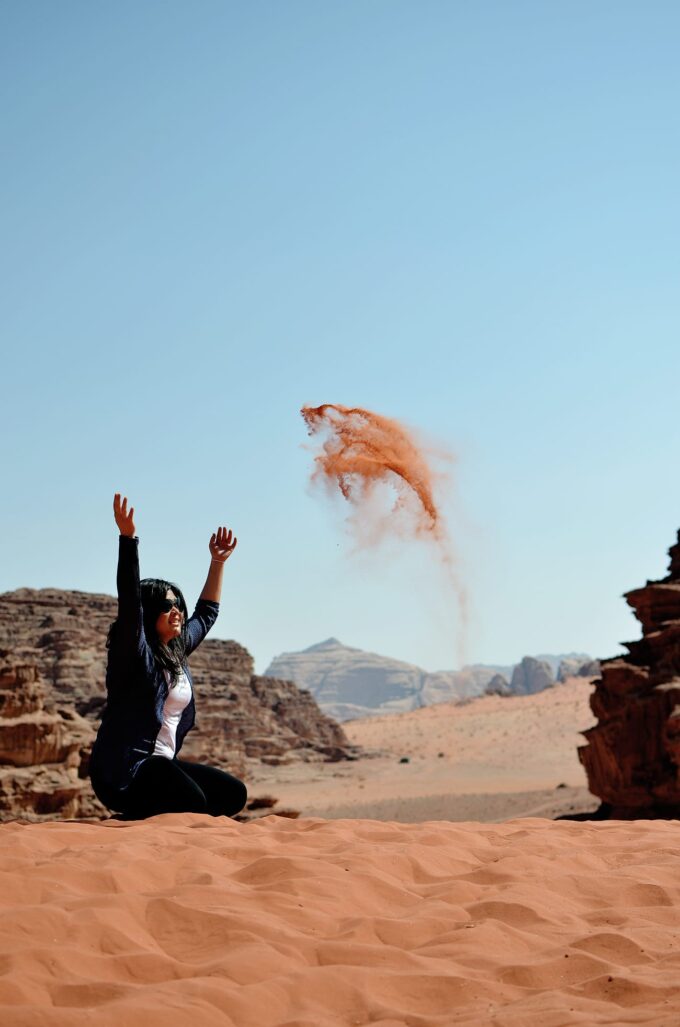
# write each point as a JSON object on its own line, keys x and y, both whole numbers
{"x": 574, "y": 667}
{"x": 52, "y": 692}
{"x": 531, "y": 676}
{"x": 41, "y": 749}
{"x": 349, "y": 683}
{"x": 498, "y": 685}
{"x": 632, "y": 755}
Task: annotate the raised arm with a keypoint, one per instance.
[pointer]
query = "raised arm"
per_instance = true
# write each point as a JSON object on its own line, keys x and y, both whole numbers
{"x": 130, "y": 620}
{"x": 222, "y": 545}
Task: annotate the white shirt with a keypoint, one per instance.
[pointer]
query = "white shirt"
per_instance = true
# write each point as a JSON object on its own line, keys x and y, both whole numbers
{"x": 178, "y": 699}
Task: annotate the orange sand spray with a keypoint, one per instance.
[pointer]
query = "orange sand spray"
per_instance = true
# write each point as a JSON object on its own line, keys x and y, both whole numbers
{"x": 363, "y": 451}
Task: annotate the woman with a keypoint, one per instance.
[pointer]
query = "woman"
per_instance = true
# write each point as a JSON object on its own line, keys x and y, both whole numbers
{"x": 150, "y": 705}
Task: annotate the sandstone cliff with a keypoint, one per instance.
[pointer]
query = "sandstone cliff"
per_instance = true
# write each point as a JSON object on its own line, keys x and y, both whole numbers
{"x": 52, "y": 672}
{"x": 41, "y": 748}
{"x": 632, "y": 755}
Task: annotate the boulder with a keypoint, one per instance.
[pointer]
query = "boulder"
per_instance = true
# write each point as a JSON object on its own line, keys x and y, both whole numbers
{"x": 498, "y": 685}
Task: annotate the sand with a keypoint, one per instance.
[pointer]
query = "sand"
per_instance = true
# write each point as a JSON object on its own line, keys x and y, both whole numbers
{"x": 189, "y": 920}
{"x": 436, "y": 891}
{"x": 487, "y": 760}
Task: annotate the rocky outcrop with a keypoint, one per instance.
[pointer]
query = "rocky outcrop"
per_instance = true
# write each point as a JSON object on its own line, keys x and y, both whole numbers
{"x": 52, "y": 692}
{"x": 349, "y": 683}
{"x": 43, "y": 749}
{"x": 576, "y": 668}
{"x": 242, "y": 716}
{"x": 457, "y": 685}
{"x": 632, "y": 755}
{"x": 498, "y": 685}
{"x": 531, "y": 676}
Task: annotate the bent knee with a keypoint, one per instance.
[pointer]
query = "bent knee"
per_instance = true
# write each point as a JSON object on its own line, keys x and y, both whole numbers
{"x": 240, "y": 797}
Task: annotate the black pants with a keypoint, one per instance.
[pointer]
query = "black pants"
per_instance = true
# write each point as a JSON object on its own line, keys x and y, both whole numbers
{"x": 176, "y": 786}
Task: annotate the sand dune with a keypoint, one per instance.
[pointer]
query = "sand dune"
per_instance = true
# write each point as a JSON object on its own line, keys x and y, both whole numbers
{"x": 487, "y": 760}
{"x": 185, "y": 919}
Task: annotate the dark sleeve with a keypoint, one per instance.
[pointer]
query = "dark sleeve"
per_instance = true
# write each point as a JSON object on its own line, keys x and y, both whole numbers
{"x": 200, "y": 623}
{"x": 130, "y": 620}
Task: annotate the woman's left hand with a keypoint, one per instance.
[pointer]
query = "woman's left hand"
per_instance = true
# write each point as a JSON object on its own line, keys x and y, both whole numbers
{"x": 222, "y": 545}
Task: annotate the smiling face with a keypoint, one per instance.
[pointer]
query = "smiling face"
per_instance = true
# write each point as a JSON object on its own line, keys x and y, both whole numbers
{"x": 169, "y": 623}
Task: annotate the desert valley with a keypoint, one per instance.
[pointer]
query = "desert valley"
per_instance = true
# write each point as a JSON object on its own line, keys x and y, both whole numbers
{"x": 507, "y": 858}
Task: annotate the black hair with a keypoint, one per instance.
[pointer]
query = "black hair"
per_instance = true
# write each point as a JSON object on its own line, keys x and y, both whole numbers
{"x": 169, "y": 657}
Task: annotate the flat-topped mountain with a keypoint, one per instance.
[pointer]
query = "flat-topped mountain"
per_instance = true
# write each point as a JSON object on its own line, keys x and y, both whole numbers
{"x": 348, "y": 682}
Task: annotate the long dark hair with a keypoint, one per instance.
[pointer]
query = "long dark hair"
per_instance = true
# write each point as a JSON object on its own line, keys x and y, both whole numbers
{"x": 168, "y": 657}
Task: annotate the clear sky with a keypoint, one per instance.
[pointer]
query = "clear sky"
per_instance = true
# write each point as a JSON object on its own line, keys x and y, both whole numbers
{"x": 464, "y": 216}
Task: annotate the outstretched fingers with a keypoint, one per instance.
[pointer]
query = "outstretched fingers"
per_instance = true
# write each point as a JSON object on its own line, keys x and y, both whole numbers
{"x": 228, "y": 539}
{"x": 124, "y": 517}
{"x": 224, "y": 538}
{"x": 222, "y": 543}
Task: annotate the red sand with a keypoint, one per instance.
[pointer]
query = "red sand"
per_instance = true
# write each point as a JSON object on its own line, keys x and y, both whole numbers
{"x": 486, "y": 760}
{"x": 185, "y": 919}
{"x": 363, "y": 449}
{"x": 368, "y": 456}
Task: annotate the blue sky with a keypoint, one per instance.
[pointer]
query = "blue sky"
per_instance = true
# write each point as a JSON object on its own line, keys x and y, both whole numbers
{"x": 462, "y": 216}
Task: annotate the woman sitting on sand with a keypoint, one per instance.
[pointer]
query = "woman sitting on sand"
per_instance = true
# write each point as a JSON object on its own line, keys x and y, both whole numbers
{"x": 150, "y": 705}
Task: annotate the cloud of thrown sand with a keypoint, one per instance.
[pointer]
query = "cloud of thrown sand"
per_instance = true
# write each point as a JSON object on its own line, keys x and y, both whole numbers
{"x": 366, "y": 456}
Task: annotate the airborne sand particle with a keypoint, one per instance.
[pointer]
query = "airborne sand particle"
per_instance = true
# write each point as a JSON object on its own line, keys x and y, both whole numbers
{"x": 364, "y": 453}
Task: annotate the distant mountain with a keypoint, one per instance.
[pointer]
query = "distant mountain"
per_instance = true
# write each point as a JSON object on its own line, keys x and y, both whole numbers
{"x": 349, "y": 683}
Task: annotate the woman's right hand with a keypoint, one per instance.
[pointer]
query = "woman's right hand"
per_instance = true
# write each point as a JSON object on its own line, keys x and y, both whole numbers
{"x": 124, "y": 517}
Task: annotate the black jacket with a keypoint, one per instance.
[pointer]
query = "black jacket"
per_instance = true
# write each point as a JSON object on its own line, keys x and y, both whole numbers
{"x": 136, "y": 687}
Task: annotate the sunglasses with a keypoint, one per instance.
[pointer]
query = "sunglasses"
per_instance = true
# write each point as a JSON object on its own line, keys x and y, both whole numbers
{"x": 167, "y": 605}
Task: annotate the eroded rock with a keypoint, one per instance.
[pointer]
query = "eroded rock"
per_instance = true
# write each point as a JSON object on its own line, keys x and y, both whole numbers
{"x": 531, "y": 676}
{"x": 52, "y": 692}
{"x": 41, "y": 749}
{"x": 632, "y": 755}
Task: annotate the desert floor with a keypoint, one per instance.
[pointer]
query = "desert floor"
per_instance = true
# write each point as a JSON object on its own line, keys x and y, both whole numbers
{"x": 487, "y": 760}
{"x": 192, "y": 920}
{"x": 185, "y": 919}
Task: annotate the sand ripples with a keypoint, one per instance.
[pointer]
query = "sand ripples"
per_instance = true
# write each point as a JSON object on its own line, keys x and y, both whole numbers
{"x": 184, "y": 919}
